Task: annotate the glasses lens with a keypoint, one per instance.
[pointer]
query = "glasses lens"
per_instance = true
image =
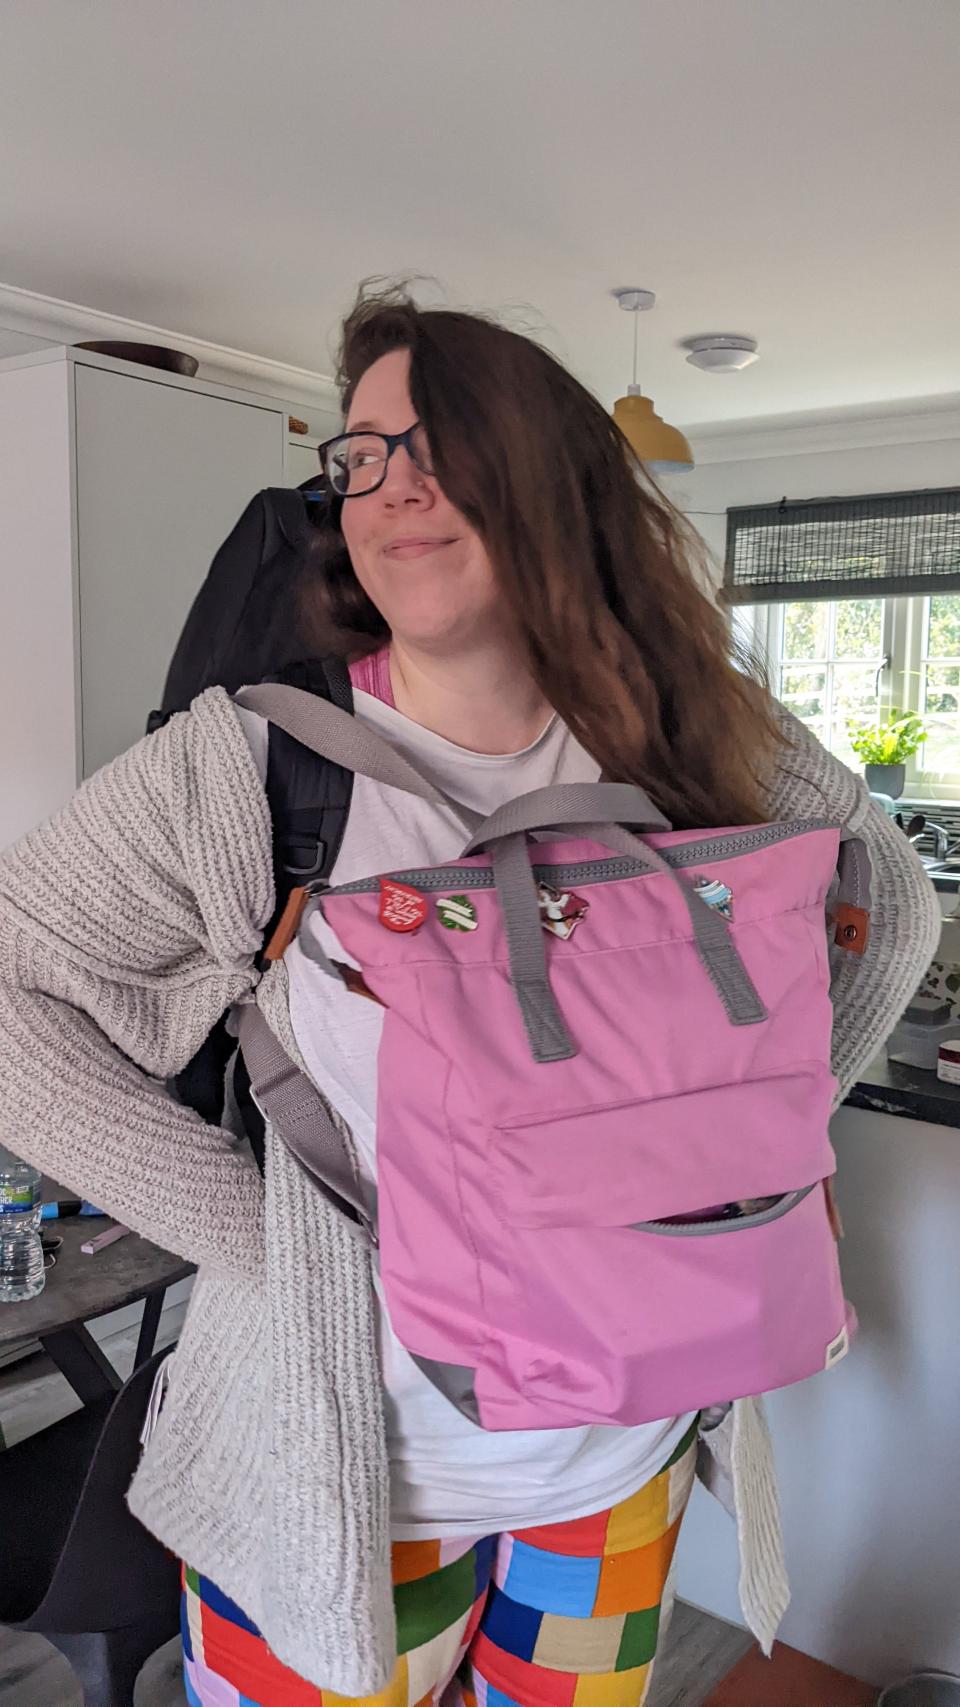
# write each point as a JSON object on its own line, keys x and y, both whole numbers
{"x": 420, "y": 449}
{"x": 355, "y": 464}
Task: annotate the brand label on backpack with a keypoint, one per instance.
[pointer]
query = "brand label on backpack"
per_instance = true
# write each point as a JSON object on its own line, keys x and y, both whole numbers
{"x": 401, "y": 908}
{"x": 457, "y": 913}
{"x": 837, "y": 1348}
{"x": 561, "y": 911}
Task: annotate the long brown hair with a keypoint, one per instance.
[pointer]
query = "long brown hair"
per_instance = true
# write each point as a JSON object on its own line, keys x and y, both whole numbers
{"x": 598, "y": 569}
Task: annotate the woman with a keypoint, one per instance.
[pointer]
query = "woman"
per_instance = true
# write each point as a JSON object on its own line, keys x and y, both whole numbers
{"x": 530, "y": 617}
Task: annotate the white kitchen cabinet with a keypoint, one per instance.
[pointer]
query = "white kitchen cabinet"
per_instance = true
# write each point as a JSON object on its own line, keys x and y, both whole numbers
{"x": 302, "y": 460}
{"x": 117, "y": 485}
{"x": 867, "y": 1455}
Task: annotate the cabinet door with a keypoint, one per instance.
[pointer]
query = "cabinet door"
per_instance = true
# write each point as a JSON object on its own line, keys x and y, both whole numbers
{"x": 162, "y": 475}
{"x": 302, "y": 463}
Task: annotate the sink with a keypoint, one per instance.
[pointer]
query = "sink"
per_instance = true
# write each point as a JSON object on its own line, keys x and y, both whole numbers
{"x": 944, "y": 874}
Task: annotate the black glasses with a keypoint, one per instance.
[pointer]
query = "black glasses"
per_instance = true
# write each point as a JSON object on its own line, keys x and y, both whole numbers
{"x": 356, "y": 463}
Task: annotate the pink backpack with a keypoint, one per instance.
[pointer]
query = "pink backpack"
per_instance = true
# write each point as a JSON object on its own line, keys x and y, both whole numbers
{"x": 605, "y": 1086}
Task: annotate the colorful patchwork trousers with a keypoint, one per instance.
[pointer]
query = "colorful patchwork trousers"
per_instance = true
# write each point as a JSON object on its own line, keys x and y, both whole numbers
{"x": 561, "y": 1616}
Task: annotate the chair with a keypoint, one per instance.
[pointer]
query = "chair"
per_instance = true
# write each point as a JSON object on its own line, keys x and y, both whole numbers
{"x": 75, "y": 1565}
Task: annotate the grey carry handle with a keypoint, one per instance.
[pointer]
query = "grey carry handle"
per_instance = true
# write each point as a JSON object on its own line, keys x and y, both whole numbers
{"x": 299, "y": 1116}
{"x": 571, "y": 803}
{"x": 579, "y": 806}
{"x": 336, "y": 735}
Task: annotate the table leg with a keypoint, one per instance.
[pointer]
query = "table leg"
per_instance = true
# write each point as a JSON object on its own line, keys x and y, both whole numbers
{"x": 78, "y": 1356}
{"x": 152, "y": 1311}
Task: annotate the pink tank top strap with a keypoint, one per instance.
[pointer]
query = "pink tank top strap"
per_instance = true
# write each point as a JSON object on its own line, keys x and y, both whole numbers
{"x": 372, "y": 675}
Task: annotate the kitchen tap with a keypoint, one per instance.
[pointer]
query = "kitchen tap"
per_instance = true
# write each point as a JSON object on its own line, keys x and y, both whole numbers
{"x": 941, "y": 840}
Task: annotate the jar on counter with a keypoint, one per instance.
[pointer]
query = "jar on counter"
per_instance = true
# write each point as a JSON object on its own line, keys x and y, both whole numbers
{"x": 948, "y": 1061}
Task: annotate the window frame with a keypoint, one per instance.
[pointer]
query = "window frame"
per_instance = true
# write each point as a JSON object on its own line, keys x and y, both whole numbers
{"x": 905, "y": 637}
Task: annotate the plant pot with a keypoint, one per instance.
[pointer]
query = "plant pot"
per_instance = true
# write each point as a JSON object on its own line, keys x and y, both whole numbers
{"x": 886, "y": 779}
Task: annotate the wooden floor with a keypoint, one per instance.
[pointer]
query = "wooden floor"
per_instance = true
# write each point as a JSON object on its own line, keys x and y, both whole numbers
{"x": 789, "y": 1679}
{"x": 698, "y": 1652}
{"x": 704, "y": 1663}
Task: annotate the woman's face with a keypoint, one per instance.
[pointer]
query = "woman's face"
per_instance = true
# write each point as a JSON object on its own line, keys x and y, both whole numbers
{"x": 414, "y": 554}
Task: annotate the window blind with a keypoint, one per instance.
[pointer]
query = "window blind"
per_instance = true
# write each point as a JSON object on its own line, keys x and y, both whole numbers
{"x": 885, "y": 546}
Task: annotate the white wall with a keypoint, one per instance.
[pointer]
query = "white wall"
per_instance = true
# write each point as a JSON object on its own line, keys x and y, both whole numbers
{"x": 705, "y": 494}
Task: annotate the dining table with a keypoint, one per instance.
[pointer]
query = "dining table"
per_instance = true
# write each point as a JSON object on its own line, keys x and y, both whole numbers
{"x": 80, "y": 1289}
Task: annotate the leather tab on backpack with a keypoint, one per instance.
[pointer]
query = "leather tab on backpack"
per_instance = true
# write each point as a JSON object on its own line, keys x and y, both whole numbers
{"x": 287, "y": 925}
{"x": 852, "y": 928}
{"x": 356, "y": 982}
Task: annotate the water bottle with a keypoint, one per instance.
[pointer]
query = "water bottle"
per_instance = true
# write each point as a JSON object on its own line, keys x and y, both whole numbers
{"x": 21, "y": 1253}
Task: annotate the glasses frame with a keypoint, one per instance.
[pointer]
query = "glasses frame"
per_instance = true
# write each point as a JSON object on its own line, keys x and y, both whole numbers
{"x": 392, "y": 442}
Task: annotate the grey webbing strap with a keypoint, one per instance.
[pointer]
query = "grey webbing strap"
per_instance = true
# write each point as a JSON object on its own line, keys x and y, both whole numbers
{"x": 854, "y": 868}
{"x": 309, "y": 944}
{"x": 711, "y": 931}
{"x": 576, "y": 806}
{"x": 299, "y": 1116}
{"x": 571, "y": 803}
{"x": 563, "y": 805}
{"x": 520, "y": 908}
{"x": 333, "y": 733}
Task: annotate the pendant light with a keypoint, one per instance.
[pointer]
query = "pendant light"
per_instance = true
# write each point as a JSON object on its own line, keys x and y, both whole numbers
{"x": 661, "y": 448}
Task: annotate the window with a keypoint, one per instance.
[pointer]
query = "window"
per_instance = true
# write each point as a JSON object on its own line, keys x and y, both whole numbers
{"x": 829, "y": 662}
{"x": 855, "y": 603}
{"x": 939, "y": 695}
{"x": 833, "y": 661}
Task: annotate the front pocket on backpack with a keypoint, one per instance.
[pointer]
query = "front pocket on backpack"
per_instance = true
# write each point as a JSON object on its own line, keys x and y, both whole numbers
{"x": 647, "y": 1161}
{"x": 727, "y": 1218}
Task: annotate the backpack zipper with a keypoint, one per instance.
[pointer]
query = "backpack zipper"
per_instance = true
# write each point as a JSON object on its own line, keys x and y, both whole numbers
{"x": 729, "y": 1224}
{"x": 588, "y": 871}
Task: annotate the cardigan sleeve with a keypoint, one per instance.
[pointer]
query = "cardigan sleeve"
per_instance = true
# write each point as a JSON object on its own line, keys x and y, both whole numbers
{"x": 128, "y": 923}
{"x": 870, "y": 992}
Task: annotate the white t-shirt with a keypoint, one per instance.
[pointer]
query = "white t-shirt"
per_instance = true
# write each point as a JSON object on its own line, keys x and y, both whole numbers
{"x": 448, "y": 1477}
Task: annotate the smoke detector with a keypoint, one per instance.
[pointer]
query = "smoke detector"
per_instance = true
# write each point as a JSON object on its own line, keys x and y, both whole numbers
{"x": 723, "y": 352}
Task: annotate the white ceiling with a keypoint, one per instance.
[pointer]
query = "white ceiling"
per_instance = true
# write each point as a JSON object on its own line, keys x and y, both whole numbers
{"x": 231, "y": 168}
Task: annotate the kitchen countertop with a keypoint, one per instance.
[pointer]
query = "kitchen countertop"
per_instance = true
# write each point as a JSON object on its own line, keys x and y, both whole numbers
{"x": 888, "y": 1087}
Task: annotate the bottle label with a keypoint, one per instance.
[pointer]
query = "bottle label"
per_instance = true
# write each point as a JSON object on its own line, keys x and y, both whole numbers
{"x": 16, "y": 1199}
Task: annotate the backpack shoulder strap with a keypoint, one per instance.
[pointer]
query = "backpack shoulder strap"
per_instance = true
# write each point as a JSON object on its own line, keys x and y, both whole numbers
{"x": 309, "y": 798}
{"x": 309, "y": 795}
{"x": 301, "y": 1119}
{"x": 325, "y": 729}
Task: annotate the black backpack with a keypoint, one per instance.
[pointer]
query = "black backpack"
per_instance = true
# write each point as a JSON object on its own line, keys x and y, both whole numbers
{"x": 246, "y": 621}
{"x": 242, "y": 629}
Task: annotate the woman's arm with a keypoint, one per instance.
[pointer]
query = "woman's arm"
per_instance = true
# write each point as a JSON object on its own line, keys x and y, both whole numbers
{"x": 128, "y": 923}
{"x": 871, "y": 992}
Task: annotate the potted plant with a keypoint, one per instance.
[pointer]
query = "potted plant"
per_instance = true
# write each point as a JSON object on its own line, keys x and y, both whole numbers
{"x": 884, "y": 748}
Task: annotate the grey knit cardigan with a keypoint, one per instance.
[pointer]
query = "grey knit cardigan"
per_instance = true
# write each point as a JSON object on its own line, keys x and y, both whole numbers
{"x": 128, "y": 923}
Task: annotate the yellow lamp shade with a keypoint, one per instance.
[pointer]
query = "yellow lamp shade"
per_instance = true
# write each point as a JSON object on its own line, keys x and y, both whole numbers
{"x": 659, "y": 446}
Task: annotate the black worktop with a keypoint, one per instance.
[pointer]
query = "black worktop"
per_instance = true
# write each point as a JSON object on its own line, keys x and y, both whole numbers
{"x": 888, "y": 1087}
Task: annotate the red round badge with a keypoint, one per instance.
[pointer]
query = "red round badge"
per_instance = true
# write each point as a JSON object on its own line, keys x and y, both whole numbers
{"x": 401, "y": 908}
